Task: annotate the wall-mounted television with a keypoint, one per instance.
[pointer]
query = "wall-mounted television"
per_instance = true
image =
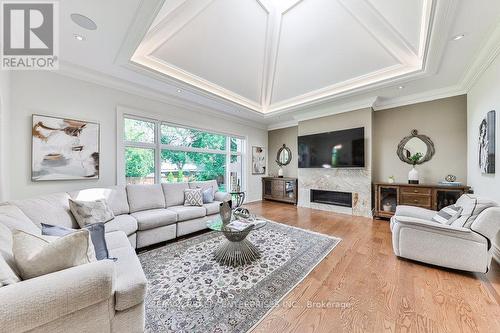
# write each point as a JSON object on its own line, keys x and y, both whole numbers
{"x": 339, "y": 149}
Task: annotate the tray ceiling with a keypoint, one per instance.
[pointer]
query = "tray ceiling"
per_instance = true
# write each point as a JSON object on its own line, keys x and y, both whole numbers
{"x": 274, "y": 55}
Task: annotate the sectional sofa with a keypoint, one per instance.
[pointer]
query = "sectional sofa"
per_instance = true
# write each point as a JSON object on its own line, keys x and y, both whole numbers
{"x": 102, "y": 296}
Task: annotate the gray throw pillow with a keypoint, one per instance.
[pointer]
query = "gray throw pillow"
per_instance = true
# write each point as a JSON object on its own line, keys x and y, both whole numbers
{"x": 90, "y": 212}
{"x": 208, "y": 195}
{"x": 448, "y": 214}
{"x": 96, "y": 235}
{"x": 193, "y": 197}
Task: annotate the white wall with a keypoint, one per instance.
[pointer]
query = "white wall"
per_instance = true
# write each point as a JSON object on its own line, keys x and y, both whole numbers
{"x": 4, "y": 113}
{"x": 48, "y": 93}
{"x": 483, "y": 97}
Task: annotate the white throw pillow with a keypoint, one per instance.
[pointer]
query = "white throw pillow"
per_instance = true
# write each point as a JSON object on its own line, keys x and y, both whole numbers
{"x": 448, "y": 214}
{"x": 90, "y": 212}
{"x": 39, "y": 255}
{"x": 193, "y": 197}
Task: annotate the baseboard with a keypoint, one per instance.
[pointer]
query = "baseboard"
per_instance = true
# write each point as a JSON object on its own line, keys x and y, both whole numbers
{"x": 496, "y": 253}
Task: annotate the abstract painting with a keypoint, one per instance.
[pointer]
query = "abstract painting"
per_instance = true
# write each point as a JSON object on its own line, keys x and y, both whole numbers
{"x": 258, "y": 161}
{"x": 487, "y": 143}
{"x": 64, "y": 149}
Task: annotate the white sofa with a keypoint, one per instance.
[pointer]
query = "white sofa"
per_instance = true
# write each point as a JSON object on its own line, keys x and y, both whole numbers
{"x": 103, "y": 296}
{"x": 415, "y": 236}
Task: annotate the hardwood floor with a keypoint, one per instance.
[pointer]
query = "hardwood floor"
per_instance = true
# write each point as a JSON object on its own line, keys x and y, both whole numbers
{"x": 364, "y": 287}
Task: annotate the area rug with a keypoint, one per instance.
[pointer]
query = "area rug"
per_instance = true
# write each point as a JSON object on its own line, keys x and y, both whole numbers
{"x": 189, "y": 292}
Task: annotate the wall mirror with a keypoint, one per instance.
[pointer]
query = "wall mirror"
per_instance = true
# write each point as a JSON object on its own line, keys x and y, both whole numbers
{"x": 284, "y": 156}
{"x": 413, "y": 144}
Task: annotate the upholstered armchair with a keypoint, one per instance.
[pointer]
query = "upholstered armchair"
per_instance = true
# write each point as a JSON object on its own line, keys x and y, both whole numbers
{"x": 416, "y": 236}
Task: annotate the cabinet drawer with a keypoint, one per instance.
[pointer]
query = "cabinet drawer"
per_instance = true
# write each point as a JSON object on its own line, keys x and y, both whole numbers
{"x": 415, "y": 200}
{"x": 416, "y": 190}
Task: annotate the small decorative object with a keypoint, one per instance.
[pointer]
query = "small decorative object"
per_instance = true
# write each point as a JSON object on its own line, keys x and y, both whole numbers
{"x": 283, "y": 158}
{"x": 487, "y": 144}
{"x": 241, "y": 212}
{"x": 64, "y": 149}
{"x": 387, "y": 207}
{"x": 413, "y": 174}
{"x": 391, "y": 180}
{"x": 414, "y": 143}
{"x": 450, "y": 178}
{"x": 258, "y": 161}
{"x": 226, "y": 212}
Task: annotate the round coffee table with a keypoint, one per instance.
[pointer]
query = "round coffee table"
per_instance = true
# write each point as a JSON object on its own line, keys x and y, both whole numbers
{"x": 236, "y": 250}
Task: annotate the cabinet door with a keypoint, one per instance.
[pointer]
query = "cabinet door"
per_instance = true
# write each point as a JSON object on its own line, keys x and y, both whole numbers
{"x": 268, "y": 188}
{"x": 278, "y": 189}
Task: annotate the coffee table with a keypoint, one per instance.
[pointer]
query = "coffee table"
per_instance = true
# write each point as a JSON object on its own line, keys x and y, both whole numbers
{"x": 237, "y": 250}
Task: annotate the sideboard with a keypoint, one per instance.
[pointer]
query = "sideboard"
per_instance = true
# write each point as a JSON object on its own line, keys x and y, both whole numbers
{"x": 282, "y": 189}
{"x": 430, "y": 196}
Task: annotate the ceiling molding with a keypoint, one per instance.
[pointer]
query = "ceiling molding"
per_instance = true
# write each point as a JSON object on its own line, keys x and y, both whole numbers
{"x": 483, "y": 59}
{"x": 382, "y": 31}
{"x": 336, "y": 109}
{"x": 284, "y": 124}
{"x": 112, "y": 82}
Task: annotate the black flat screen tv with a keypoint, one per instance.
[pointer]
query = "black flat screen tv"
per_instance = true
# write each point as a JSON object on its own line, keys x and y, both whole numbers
{"x": 339, "y": 149}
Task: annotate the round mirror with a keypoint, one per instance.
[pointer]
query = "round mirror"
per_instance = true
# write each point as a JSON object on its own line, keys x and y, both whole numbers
{"x": 416, "y": 148}
{"x": 284, "y": 156}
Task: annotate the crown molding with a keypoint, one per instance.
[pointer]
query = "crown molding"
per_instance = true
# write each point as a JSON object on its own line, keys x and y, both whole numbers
{"x": 336, "y": 109}
{"x": 99, "y": 78}
{"x": 283, "y": 124}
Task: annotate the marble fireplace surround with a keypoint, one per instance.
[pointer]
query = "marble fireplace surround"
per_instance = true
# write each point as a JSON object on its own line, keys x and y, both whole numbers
{"x": 357, "y": 181}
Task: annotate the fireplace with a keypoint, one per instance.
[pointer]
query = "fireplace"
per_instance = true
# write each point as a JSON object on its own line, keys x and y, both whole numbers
{"x": 343, "y": 199}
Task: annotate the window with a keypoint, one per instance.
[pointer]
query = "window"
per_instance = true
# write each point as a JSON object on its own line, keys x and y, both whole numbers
{"x": 184, "y": 154}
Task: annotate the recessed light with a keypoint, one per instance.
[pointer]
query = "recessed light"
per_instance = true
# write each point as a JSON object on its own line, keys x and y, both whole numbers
{"x": 179, "y": 91}
{"x": 79, "y": 37}
{"x": 458, "y": 37}
{"x": 83, "y": 21}
{"x": 401, "y": 87}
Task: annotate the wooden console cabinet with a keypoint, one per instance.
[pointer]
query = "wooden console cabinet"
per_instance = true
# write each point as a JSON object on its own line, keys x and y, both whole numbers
{"x": 433, "y": 197}
{"x": 280, "y": 189}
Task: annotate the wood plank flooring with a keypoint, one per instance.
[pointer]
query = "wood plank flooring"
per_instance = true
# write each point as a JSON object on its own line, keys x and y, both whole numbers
{"x": 361, "y": 286}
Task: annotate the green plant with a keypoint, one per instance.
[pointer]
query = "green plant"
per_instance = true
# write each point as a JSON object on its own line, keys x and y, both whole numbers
{"x": 170, "y": 177}
{"x": 416, "y": 157}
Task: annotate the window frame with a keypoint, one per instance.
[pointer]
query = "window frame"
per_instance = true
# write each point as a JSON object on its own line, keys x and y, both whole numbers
{"x": 157, "y": 147}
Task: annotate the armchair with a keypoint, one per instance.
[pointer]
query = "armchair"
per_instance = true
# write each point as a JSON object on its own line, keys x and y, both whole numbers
{"x": 415, "y": 236}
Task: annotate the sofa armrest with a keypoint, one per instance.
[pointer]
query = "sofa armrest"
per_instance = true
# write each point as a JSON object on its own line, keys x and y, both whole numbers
{"x": 412, "y": 211}
{"x": 488, "y": 223}
{"x": 222, "y": 196}
{"x": 31, "y": 303}
{"x": 416, "y": 222}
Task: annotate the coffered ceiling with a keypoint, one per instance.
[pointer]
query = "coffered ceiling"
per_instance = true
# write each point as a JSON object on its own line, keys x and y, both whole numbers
{"x": 274, "y": 55}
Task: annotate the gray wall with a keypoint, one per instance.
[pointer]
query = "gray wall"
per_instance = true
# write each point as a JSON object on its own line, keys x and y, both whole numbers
{"x": 443, "y": 120}
{"x": 277, "y": 138}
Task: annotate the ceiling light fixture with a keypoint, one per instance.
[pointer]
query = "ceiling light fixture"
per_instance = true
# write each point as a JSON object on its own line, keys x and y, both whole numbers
{"x": 458, "y": 37}
{"x": 79, "y": 37}
{"x": 401, "y": 87}
{"x": 83, "y": 21}
{"x": 179, "y": 91}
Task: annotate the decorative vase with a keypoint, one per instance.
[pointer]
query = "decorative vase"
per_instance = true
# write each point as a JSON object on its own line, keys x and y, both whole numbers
{"x": 280, "y": 172}
{"x": 225, "y": 212}
{"x": 387, "y": 207}
{"x": 413, "y": 176}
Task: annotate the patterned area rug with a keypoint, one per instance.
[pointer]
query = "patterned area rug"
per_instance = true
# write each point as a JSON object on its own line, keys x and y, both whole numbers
{"x": 189, "y": 292}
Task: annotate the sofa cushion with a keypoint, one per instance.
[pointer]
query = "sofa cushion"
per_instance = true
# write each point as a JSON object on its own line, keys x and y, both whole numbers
{"x": 126, "y": 223}
{"x": 8, "y": 270}
{"x": 131, "y": 284}
{"x": 116, "y": 196}
{"x": 213, "y": 207}
{"x": 91, "y": 212}
{"x": 48, "y": 209}
{"x": 154, "y": 218}
{"x": 13, "y": 218}
{"x": 188, "y": 212}
{"x": 39, "y": 255}
{"x": 205, "y": 184}
{"x": 144, "y": 197}
{"x": 174, "y": 193}
{"x": 7, "y": 274}
{"x": 471, "y": 206}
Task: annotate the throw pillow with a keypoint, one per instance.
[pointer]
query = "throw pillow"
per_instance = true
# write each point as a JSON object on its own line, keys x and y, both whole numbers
{"x": 193, "y": 197}
{"x": 13, "y": 218}
{"x": 448, "y": 214}
{"x": 7, "y": 274}
{"x": 8, "y": 269}
{"x": 472, "y": 206}
{"x": 39, "y": 255}
{"x": 96, "y": 235}
{"x": 208, "y": 195}
{"x": 90, "y": 212}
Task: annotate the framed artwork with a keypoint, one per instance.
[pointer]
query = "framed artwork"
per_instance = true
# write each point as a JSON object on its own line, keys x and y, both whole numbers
{"x": 64, "y": 149}
{"x": 258, "y": 161}
{"x": 487, "y": 143}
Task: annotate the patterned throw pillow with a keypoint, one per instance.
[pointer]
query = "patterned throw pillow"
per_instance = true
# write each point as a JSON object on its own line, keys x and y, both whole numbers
{"x": 193, "y": 197}
{"x": 448, "y": 214}
{"x": 90, "y": 212}
{"x": 208, "y": 195}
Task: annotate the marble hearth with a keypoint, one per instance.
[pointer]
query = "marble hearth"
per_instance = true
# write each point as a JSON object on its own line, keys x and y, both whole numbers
{"x": 355, "y": 181}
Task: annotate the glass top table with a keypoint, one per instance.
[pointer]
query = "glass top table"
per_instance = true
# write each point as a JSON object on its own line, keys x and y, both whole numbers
{"x": 236, "y": 250}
